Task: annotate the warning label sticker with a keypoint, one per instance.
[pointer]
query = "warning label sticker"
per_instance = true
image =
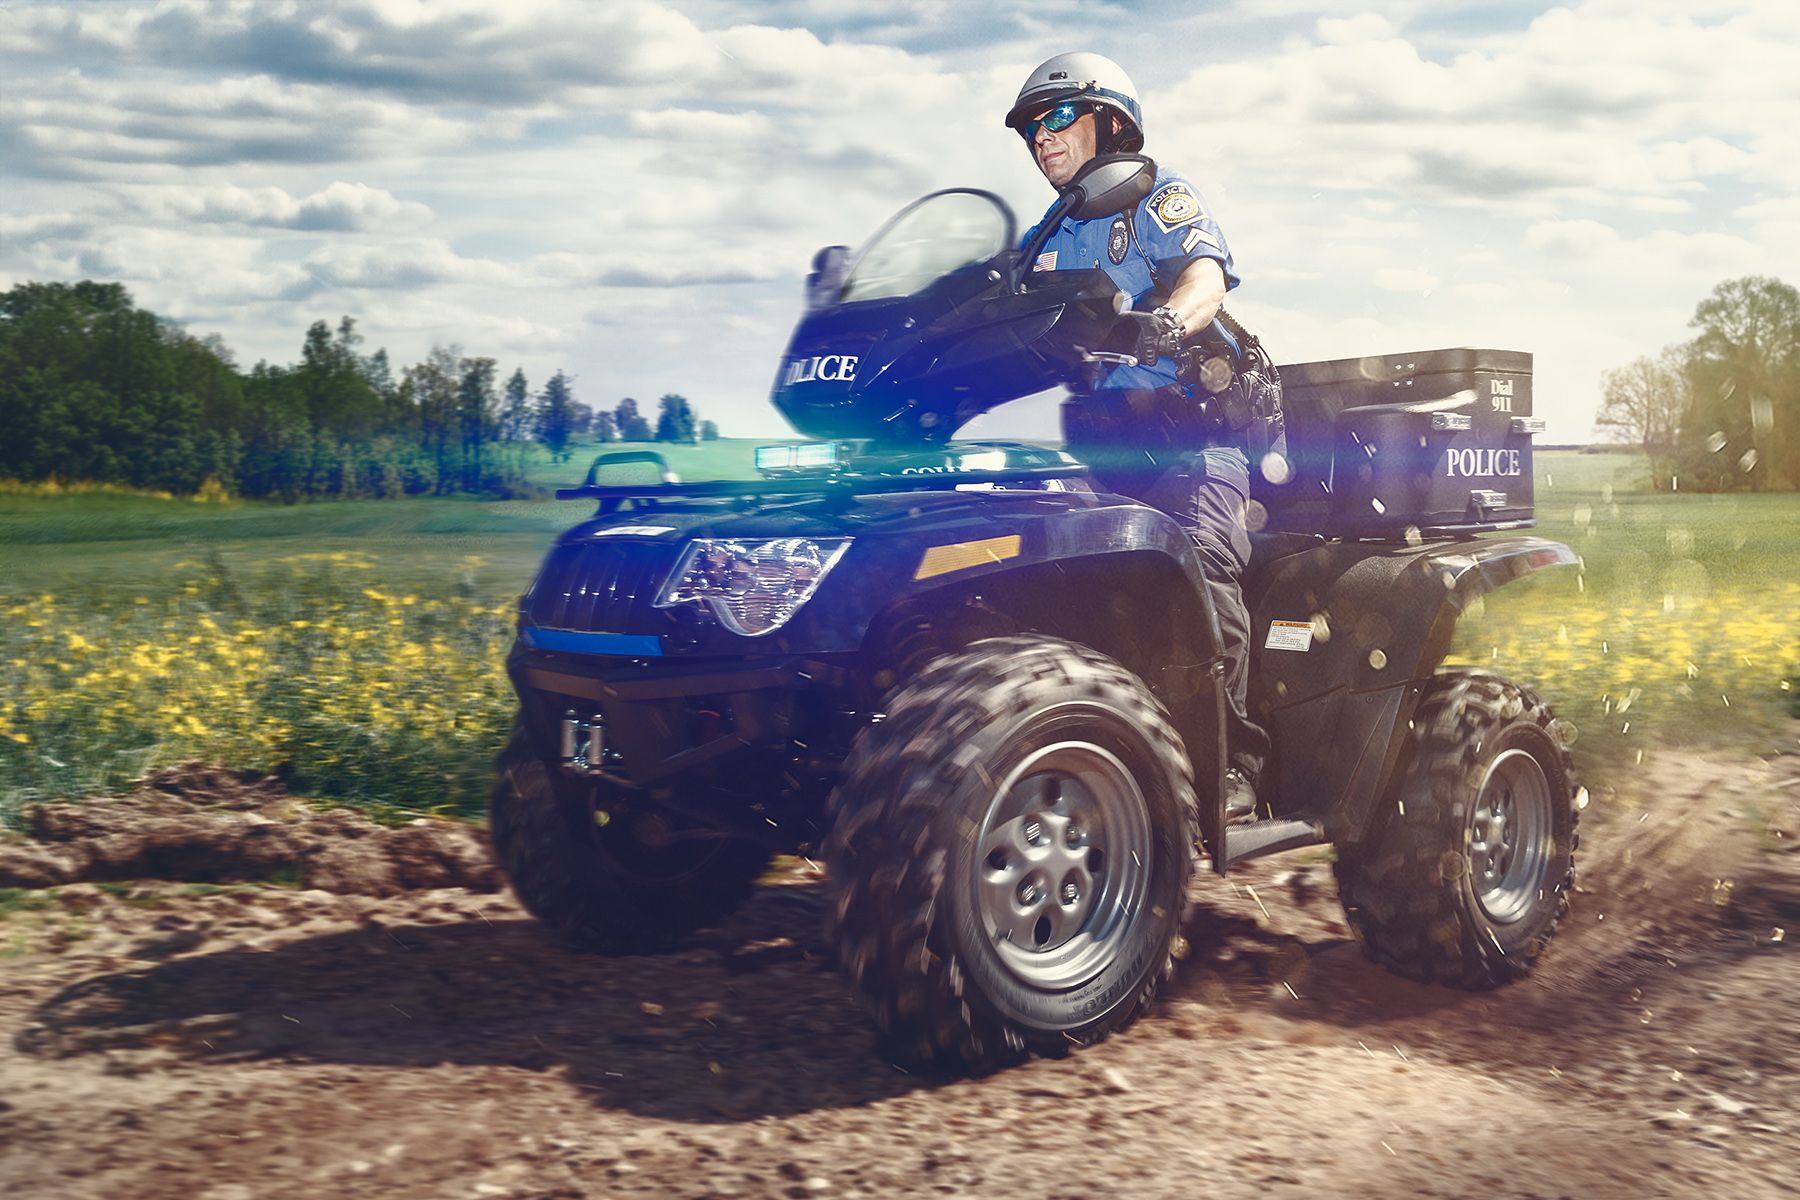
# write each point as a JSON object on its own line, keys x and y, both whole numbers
{"x": 1289, "y": 635}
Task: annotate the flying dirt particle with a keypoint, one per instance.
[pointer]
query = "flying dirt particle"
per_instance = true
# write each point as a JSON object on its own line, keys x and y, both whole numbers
{"x": 1778, "y": 934}
{"x": 1365, "y": 1049}
{"x": 1581, "y": 798}
{"x": 650, "y": 1008}
{"x": 1258, "y": 899}
{"x": 1645, "y": 1017}
{"x": 1290, "y": 989}
{"x": 1401, "y": 1053}
{"x": 1726, "y": 1105}
{"x": 1748, "y": 461}
{"x": 1377, "y": 659}
{"x": 1715, "y": 441}
{"x": 1389, "y": 1149}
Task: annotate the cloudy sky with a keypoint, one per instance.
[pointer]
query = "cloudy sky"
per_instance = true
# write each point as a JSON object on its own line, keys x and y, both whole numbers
{"x": 631, "y": 190}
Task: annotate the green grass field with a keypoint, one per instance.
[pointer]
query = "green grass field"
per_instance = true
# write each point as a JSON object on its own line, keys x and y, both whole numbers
{"x": 1681, "y": 628}
{"x": 355, "y": 646}
{"x": 110, "y": 542}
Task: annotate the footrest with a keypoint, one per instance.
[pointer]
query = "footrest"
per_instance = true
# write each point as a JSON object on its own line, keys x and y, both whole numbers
{"x": 1244, "y": 842}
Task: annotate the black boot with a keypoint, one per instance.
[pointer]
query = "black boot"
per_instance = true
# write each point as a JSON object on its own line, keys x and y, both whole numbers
{"x": 1240, "y": 797}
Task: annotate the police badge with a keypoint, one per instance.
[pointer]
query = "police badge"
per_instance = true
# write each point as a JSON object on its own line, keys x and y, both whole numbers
{"x": 1117, "y": 241}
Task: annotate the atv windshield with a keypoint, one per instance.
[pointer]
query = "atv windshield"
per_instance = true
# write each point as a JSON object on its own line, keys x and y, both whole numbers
{"x": 928, "y": 239}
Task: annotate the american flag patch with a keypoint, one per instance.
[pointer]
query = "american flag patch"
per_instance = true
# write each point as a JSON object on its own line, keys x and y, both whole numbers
{"x": 1045, "y": 261}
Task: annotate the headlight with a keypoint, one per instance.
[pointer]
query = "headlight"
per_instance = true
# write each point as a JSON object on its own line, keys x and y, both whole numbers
{"x": 753, "y": 587}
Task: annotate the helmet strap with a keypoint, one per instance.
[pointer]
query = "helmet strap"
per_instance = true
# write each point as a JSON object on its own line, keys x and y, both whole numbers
{"x": 1106, "y": 138}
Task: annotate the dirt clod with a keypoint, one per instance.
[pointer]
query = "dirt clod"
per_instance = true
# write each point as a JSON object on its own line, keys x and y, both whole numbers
{"x": 203, "y": 824}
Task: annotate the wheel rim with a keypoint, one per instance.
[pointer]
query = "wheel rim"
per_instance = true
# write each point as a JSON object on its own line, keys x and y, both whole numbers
{"x": 1510, "y": 836}
{"x": 1064, "y": 864}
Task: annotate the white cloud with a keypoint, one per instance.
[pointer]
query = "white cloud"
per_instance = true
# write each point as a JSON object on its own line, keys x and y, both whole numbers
{"x": 1348, "y": 31}
{"x": 1400, "y": 279}
{"x": 1571, "y": 239}
{"x": 403, "y": 265}
{"x": 338, "y": 206}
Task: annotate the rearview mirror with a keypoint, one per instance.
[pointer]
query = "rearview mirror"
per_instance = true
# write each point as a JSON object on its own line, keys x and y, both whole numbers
{"x": 1111, "y": 183}
{"x": 826, "y": 279}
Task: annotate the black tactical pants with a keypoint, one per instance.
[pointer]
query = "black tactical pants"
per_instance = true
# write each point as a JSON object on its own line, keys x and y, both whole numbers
{"x": 1208, "y": 491}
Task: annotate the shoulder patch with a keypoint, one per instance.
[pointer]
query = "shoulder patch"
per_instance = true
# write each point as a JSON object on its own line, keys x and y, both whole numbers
{"x": 1174, "y": 205}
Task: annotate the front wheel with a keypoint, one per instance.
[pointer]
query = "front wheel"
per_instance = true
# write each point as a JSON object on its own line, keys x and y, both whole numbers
{"x": 602, "y": 875}
{"x": 1468, "y": 872}
{"x": 1010, "y": 853}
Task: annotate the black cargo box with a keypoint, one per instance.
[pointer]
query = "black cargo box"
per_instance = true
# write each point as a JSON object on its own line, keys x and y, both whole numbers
{"x": 1435, "y": 440}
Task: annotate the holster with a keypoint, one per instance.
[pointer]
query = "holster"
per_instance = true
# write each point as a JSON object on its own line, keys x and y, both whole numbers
{"x": 1228, "y": 364}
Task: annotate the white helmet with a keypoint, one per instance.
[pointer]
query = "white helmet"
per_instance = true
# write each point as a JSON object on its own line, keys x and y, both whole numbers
{"x": 1094, "y": 78}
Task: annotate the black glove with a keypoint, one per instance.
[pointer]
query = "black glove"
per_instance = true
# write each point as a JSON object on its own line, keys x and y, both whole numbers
{"x": 1157, "y": 334}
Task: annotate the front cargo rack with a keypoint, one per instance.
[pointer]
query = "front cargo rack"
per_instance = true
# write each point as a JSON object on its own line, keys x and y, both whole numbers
{"x": 841, "y": 483}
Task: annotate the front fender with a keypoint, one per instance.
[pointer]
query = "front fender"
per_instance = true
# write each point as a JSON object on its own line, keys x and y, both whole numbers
{"x": 1381, "y": 619}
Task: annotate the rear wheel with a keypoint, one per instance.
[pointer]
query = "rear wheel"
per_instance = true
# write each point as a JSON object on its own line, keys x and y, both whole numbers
{"x": 602, "y": 875}
{"x": 1010, "y": 853}
{"x": 1468, "y": 872}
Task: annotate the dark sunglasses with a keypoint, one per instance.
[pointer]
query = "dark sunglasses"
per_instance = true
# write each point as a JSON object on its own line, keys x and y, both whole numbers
{"x": 1056, "y": 120}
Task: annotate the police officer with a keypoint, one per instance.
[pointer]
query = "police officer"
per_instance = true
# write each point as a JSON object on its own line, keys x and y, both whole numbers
{"x": 1167, "y": 415}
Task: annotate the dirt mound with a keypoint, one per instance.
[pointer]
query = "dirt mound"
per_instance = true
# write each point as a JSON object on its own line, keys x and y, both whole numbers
{"x": 205, "y": 824}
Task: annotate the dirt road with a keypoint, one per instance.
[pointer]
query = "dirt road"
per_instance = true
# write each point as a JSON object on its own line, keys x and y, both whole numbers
{"x": 384, "y": 1026}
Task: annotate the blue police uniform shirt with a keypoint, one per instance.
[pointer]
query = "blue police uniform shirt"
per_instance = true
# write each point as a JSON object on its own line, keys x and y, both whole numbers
{"x": 1170, "y": 227}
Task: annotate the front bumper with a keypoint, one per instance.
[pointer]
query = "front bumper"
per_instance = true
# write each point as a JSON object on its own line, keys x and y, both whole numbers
{"x": 666, "y": 720}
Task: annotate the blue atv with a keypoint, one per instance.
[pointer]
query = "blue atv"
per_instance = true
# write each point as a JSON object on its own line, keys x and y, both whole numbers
{"x": 988, "y": 692}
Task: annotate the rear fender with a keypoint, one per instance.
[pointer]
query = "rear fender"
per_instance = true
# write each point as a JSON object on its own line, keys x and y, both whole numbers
{"x": 1365, "y": 626}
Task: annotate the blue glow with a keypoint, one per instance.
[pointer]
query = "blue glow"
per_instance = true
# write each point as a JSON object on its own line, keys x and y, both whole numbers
{"x": 571, "y": 641}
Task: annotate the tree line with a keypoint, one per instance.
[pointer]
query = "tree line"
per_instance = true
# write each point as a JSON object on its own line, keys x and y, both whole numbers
{"x": 94, "y": 388}
{"x": 1721, "y": 411}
